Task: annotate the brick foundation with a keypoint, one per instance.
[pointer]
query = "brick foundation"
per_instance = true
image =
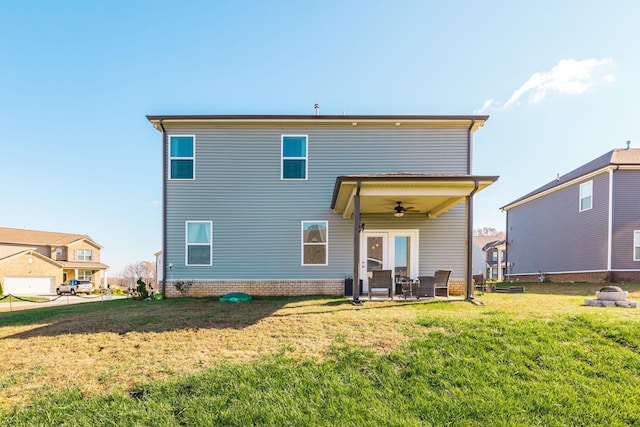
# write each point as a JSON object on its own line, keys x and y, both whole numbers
{"x": 587, "y": 276}
{"x": 457, "y": 287}
{"x": 205, "y": 288}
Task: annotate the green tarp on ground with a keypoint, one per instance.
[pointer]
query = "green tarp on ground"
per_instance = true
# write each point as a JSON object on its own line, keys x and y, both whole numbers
{"x": 235, "y": 297}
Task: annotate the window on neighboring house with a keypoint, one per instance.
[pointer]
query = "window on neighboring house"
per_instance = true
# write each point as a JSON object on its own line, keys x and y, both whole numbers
{"x": 182, "y": 157}
{"x": 586, "y": 196}
{"x": 84, "y": 274}
{"x": 84, "y": 255}
{"x": 58, "y": 253}
{"x": 199, "y": 242}
{"x": 636, "y": 245}
{"x": 294, "y": 157}
{"x": 314, "y": 242}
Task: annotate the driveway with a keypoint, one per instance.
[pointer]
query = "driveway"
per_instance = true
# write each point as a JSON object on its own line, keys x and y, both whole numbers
{"x": 53, "y": 300}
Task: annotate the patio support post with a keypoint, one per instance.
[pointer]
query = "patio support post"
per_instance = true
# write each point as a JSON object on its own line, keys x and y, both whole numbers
{"x": 165, "y": 175}
{"x": 469, "y": 275}
{"x": 356, "y": 246}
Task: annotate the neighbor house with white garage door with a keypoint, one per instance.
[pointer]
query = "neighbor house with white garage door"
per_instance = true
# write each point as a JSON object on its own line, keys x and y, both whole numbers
{"x": 34, "y": 262}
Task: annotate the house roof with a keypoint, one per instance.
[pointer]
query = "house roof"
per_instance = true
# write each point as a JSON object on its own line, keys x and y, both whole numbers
{"x": 614, "y": 158}
{"x": 349, "y": 120}
{"x": 483, "y": 241}
{"x": 428, "y": 194}
{"x": 41, "y": 238}
{"x": 32, "y": 253}
{"x": 84, "y": 265}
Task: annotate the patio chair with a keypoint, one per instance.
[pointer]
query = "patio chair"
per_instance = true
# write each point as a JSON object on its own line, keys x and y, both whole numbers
{"x": 381, "y": 279}
{"x": 425, "y": 287}
{"x": 434, "y": 286}
{"x": 442, "y": 283}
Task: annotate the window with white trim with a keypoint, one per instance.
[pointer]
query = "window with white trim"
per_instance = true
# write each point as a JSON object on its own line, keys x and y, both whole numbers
{"x": 586, "y": 196}
{"x": 199, "y": 242}
{"x": 636, "y": 245}
{"x": 84, "y": 255}
{"x": 315, "y": 242}
{"x": 84, "y": 275}
{"x": 182, "y": 157}
{"x": 294, "y": 157}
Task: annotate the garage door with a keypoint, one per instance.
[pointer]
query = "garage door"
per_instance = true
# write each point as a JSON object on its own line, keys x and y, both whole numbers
{"x": 28, "y": 285}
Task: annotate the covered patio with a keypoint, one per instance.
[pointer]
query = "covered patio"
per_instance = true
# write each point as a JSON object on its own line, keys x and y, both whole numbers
{"x": 397, "y": 194}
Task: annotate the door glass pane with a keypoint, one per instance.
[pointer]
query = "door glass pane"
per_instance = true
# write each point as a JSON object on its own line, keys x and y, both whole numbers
{"x": 375, "y": 253}
{"x": 402, "y": 267}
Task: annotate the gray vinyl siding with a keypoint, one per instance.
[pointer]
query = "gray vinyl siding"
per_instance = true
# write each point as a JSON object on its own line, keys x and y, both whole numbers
{"x": 626, "y": 218}
{"x": 257, "y": 216}
{"x": 549, "y": 234}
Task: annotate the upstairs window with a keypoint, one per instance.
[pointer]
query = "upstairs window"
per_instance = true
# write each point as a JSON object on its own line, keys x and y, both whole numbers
{"x": 636, "y": 245}
{"x": 294, "y": 157}
{"x": 314, "y": 242}
{"x": 199, "y": 243}
{"x": 586, "y": 196}
{"x": 182, "y": 157}
{"x": 84, "y": 255}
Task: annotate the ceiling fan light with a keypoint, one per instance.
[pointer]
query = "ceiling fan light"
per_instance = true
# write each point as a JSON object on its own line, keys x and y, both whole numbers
{"x": 398, "y": 214}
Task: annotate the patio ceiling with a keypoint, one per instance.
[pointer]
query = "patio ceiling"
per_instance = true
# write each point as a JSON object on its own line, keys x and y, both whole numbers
{"x": 428, "y": 194}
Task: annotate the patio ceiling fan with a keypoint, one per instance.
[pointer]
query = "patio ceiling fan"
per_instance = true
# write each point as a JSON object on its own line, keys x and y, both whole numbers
{"x": 399, "y": 210}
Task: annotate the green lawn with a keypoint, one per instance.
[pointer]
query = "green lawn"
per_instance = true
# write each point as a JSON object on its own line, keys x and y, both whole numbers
{"x": 539, "y": 358}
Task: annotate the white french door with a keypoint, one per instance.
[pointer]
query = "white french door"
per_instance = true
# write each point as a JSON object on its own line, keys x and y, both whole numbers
{"x": 395, "y": 250}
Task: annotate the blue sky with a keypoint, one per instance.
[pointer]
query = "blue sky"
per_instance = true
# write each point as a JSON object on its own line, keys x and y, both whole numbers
{"x": 560, "y": 81}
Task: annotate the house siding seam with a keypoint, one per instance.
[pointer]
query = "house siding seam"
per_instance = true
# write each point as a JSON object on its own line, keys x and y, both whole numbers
{"x": 238, "y": 187}
{"x": 547, "y": 234}
{"x": 626, "y": 218}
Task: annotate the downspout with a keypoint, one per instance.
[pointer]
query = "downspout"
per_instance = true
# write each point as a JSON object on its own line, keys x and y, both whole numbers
{"x": 470, "y": 145}
{"x": 164, "y": 207}
{"x": 469, "y": 275}
{"x": 506, "y": 247}
{"x": 610, "y": 221}
{"x": 469, "y": 296}
{"x": 356, "y": 246}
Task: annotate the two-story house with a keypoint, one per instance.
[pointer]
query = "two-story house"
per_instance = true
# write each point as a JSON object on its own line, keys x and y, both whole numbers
{"x": 34, "y": 262}
{"x": 488, "y": 256}
{"x": 292, "y": 205}
{"x": 583, "y": 226}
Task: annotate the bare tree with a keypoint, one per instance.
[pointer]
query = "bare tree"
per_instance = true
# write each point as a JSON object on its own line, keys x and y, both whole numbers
{"x": 485, "y": 231}
{"x": 144, "y": 270}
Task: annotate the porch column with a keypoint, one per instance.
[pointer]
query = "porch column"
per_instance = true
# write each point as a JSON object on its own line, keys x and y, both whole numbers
{"x": 356, "y": 246}
{"x": 469, "y": 273}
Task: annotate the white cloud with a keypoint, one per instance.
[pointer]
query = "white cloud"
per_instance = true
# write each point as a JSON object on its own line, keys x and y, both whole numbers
{"x": 487, "y": 104}
{"x": 567, "y": 77}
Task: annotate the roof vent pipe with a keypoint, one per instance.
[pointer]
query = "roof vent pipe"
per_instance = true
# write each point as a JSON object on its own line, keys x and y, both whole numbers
{"x": 628, "y": 145}
{"x": 317, "y": 107}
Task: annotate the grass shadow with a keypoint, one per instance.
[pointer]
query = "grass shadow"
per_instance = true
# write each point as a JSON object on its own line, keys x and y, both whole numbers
{"x": 126, "y": 316}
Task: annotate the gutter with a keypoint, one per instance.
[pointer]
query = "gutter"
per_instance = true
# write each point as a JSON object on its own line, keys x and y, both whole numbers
{"x": 469, "y": 290}
{"x": 164, "y": 206}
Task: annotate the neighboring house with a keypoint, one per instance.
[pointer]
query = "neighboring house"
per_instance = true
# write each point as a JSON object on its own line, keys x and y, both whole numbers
{"x": 486, "y": 251}
{"x": 494, "y": 256}
{"x": 583, "y": 226}
{"x": 293, "y": 205}
{"x": 34, "y": 262}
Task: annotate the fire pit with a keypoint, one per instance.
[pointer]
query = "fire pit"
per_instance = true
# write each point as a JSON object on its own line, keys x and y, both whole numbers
{"x": 611, "y": 296}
